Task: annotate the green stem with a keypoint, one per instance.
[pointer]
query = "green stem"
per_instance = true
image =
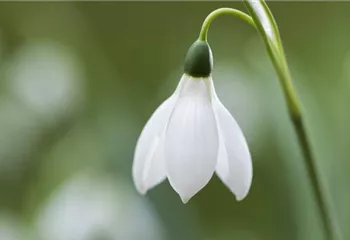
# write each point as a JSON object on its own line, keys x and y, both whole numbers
{"x": 268, "y": 29}
{"x": 329, "y": 221}
{"x": 222, "y": 11}
{"x": 262, "y": 19}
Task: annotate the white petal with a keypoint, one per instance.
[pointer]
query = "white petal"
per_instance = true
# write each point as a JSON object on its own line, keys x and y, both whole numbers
{"x": 191, "y": 144}
{"x": 234, "y": 161}
{"x": 148, "y": 166}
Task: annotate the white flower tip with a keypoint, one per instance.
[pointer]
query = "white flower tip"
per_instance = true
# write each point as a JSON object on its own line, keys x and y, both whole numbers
{"x": 141, "y": 189}
{"x": 185, "y": 196}
{"x": 243, "y": 194}
{"x": 185, "y": 199}
{"x": 240, "y": 197}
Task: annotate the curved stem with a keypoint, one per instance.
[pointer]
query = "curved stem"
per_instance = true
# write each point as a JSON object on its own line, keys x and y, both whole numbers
{"x": 262, "y": 19}
{"x": 219, "y": 12}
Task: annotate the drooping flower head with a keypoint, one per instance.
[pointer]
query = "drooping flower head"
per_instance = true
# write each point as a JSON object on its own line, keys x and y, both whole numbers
{"x": 191, "y": 135}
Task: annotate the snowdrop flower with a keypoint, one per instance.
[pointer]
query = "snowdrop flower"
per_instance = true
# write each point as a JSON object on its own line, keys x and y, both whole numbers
{"x": 192, "y": 135}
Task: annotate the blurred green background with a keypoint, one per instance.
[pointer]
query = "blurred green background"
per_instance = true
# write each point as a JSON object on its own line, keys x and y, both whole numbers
{"x": 78, "y": 81}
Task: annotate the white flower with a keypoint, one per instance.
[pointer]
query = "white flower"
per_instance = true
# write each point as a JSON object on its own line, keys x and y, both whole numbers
{"x": 187, "y": 138}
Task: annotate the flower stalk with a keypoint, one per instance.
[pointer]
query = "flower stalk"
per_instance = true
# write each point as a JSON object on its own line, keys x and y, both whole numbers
{"x": 262, "y": 19}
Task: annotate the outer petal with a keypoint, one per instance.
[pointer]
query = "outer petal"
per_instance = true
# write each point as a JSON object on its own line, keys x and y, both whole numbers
{"x": 234, "y": 161}
{"x": 148, "y": 167}
{"x": 191, "y": 145}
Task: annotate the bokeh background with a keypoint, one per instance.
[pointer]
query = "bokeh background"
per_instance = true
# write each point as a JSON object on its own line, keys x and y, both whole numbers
{"x": 78, "y": 81}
